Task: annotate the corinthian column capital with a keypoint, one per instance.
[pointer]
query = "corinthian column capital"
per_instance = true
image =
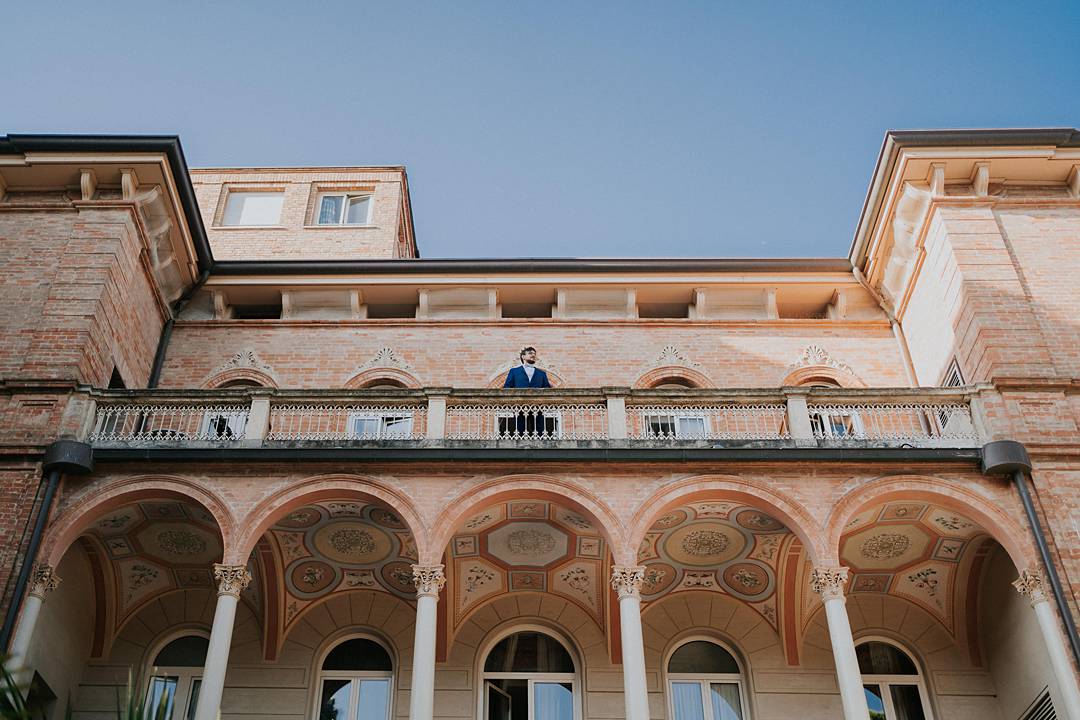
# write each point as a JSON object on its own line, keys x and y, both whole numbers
{"x": 232, "y": 579}
{"x": 44, "y": 580}
{"x": 828, "y": 582}
{"x": 429, "y": 580}
{"x": 626, "y": 580}
{"x": 1030, "y": 584}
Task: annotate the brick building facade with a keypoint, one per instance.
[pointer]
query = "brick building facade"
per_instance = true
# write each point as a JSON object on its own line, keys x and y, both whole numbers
{"x": 257, "y": 450}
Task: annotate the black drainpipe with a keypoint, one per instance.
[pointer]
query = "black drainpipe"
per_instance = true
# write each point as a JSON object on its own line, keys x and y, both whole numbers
{"x": 166, "y": 330}
{"x": 1009, "y": 456}
{"x": 61, "y": 456}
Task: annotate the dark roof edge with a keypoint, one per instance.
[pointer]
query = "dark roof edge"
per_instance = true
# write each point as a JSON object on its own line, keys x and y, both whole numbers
{"x": 895, "y": 140}
{"x": 168, "y": 145}
{"x": 474, "y": 266}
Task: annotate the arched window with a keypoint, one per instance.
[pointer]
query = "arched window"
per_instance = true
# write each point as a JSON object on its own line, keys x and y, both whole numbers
{"x": 355, "y": 682}
{"x": 705, "y": 683}
{"x": 529, "y": 675}
{"x": 240, "y": 383}
{"x": 175, "y": 677}
{"x": 891, "y": 680}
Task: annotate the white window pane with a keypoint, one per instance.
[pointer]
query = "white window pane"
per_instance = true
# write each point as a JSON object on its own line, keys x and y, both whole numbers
{"x": 726, "y": 704}
{"x": 554, "y": 701}
{"x": 686, "y": 697}
{"x": 330, "y": 209}
{"x": 334, "y": 701}
{"x": 692, "y": 427}
{"x": 358, "y": 210}
{"x": 397, "y": 426}
{"x": 253, "y": 208}
{"x": 374, "y": 700}
{"x": 194, "y": 699}
{"x": 161, "y": 697}
{"x": 365, "y": 427}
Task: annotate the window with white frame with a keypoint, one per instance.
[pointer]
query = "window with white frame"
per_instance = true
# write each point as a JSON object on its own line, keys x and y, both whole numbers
{"x": 838, "y": 425}
{"x": 529, "y": 676}
{"x": 250, "y": 209}
{"x": 892, "y": 683}
{"x": 355, "y": 682}
{"x": 175, "y": 677}
{"x": 341, "y": 208}
{"x": 380, "y": 426}
{"x": 676, "y": 425}
{"x": 705, "y": 682}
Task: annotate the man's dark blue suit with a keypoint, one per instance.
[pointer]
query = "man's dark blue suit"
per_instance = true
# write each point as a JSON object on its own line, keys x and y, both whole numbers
{"x": 517, "y": 378}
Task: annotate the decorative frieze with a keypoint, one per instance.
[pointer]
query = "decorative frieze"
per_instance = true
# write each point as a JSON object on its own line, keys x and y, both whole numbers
{"x": 626, "y": 580}
{"x": 429, "y": 580}
{"x": 232, "y": 579}
{"x": 44, "y": 580}
{"x": 1030, "y": 585}
{"x": 244, "y": 360}
{"x": 817, "y": 356}
{"x": 829, "y": 582}
{"x": 385, "y": 358}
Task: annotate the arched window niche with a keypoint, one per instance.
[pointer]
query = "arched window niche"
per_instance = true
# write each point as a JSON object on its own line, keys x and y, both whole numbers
{"x": 705, "y": 682}
{"x": 356, "y": 681}
{"x": 175, "y": 675}
{"x": 892, "y": 681}
{"x": 529, "y": 673}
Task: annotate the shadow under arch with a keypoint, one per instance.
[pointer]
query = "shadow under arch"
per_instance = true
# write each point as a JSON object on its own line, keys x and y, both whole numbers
{"x": 754, "y": 494}
{"x": 257, "y": 378}
{"x": 75, "y": 519}
{"x": 323, "y": 487}
{"x": 523, "y": 487}
{"x": 990, "y": 517}
{"x": 376, "y": 376}
{"x": 668, "y": 373}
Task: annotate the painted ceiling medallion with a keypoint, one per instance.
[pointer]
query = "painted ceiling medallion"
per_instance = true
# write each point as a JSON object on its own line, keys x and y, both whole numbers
{"x": 885, "y": 546}
{"x": 705, "y": 542}
{"x": 530, "y": 542}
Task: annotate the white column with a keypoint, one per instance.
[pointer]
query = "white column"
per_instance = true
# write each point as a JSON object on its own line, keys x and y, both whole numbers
{"x": 1030, "y": 584}
{"x": 429, "y": 580}
{"x": 232, "y": 579}
{"x": 44, "y": 580}
{"x": 626, "y": 579}
{"x": 829, "y": 583}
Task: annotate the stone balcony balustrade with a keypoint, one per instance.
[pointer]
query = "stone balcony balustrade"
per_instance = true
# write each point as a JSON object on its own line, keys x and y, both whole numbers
{"x": 598, "y": 418}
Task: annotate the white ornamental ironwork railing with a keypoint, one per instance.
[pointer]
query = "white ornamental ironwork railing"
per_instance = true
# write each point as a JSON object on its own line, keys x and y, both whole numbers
{"x": 163, "y": 423}
{"x": 707, "y": 422}
{"x": 527, "y": 422}
{"x": 915, "y": 423}
{"x": 347, "y": 422}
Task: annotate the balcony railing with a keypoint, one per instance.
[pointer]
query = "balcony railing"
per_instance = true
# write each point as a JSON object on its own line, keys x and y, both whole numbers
{"x": 796, "y": 417}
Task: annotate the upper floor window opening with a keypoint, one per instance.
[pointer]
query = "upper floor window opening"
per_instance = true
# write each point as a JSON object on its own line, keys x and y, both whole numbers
{"x": 530, "y": 675}
{"x": 705, "y": 682}
{"x": 892, "y": 682}
{"x": 355, "y": 682}
{"x": 253, "y": 209}
{"x": 343, "y": 209}
{"x": 175, "y": 677}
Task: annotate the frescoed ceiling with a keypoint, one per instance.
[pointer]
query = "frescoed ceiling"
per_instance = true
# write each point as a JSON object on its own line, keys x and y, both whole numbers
{"x": 153, "y": 548}
{"x": 917, "y": 551}
{"x": 343, "y": 545}
{"x": 527, "y": 545}
{"x": 722, "y": 547}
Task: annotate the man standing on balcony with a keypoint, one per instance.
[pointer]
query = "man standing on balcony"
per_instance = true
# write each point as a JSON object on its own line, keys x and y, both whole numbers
{"x": 527, "y": 375}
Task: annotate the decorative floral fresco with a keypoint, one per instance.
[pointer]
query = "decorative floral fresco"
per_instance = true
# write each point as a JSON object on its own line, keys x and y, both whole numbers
{"x": 913, "y": 550}
{"x": 156, "y": 547}
{"x": 527, "y": 545}
{"x": 721, "y": 547}
{"x": 341, "y": 545}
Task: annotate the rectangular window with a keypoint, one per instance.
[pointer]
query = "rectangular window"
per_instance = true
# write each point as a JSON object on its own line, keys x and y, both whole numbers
{"x": 363, "y": 426}
{"x": 836, "y": 425}
{"x": 224, "y": 426}
{"x": 529, "y": 423}
{"x": 676, "y": 426}
{"x": 253, "y": 208}
{"x": 343, "y": 209}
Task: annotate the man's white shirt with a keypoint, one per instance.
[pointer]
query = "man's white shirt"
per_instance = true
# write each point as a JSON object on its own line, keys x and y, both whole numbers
{"x": 529, "y": 370}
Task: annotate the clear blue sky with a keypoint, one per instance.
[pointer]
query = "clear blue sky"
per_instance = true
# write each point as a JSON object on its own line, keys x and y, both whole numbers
{"x": 556, "y": 129}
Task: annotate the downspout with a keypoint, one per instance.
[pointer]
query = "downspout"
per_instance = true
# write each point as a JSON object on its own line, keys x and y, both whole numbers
{"x": 1010, "y": 457}
{"x": 61, "y": 456}
{"x": 167, "y": 328}
{"x": 898, "y": 332}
